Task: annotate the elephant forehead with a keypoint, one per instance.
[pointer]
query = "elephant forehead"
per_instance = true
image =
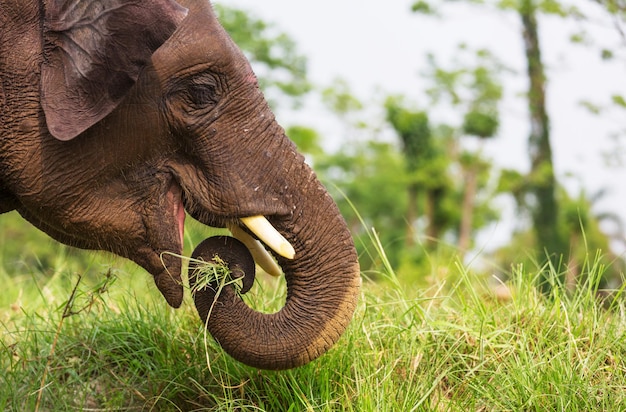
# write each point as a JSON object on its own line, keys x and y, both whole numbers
{"x": 200, "y": 44}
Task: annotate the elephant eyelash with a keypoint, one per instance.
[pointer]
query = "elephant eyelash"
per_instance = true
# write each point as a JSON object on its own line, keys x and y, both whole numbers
{"x": 198, "y": 92}
{"x": 203, "y": 95}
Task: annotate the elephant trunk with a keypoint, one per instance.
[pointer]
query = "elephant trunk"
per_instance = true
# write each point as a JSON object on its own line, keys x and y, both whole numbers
{"x": 323, "y": 282}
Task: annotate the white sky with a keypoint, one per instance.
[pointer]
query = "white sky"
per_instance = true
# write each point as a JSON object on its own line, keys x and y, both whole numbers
{"x": 378, "y": 45}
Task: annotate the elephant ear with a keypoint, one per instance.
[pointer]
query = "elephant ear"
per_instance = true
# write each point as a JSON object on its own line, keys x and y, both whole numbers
{"x": 94, "y": 52}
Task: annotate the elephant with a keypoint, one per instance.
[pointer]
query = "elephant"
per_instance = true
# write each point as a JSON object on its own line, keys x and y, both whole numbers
{"x": 119, "y": 118}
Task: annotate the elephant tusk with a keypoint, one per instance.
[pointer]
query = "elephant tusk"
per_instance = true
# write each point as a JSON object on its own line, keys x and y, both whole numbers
{"x": 261, "y": 257}
{"x": 264, "y": 230}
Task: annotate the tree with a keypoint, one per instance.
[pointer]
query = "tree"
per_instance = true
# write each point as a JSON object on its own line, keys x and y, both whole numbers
{"x": 588, "y": 244}
{"x": 582, "y": 224}
{"x": 435, "y": 156}
{"x": 413, "y": 128}
{"x": 542, "y": 185}
{"x": 368, "y": 182}
{"x": 475, "y": 88}
{"x": 617, "y": 9}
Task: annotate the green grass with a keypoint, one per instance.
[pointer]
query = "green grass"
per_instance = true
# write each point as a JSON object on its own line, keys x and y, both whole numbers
{"x": 112, "y": 343}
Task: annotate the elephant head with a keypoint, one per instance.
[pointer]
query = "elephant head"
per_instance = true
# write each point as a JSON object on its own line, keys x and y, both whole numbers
{"x": 118, "y": 117}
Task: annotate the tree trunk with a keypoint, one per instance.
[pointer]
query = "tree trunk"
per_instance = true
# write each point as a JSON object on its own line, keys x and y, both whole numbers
{"x": 545, "y": 209}
{"x": 467, "y": 210}
{"x": 411, "y": 213}
{"x": 433, "y": 230}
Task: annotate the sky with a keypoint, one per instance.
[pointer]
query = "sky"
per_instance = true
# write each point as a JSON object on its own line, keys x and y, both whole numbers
{"x": 381, "y": 46}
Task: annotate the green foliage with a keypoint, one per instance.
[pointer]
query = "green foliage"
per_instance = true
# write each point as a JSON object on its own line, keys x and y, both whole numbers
{"x": 33, "y": 262}
{"x": 607, "y": 54}
{"x": 619, "y": 100}
{"x": 373, "y": 176}
{"x": 580, "y": 37}
{"x": 514, "y": 183}
{"x": 557, "y": 8}
{"x": 549, "y": 7}
{"x": 306, "y": 138}
{"x": 414, "y": 130}
{"x": 472, "y": 84}
{"x": 273, "y": 54}
{"x": 423, "y": 7}
{"x": 481, "y": 118}
{"x": 340, "y": 99}
{"x": 617, "y": 7}
{"x": 581, "y": 224}
{"x": 399, "y": 192}
{"x": 433, "y": 154}
{"x": 479, "y": 124}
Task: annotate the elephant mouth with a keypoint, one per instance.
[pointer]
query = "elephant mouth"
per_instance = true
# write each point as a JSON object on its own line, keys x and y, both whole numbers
{"x": 258, "y": 225}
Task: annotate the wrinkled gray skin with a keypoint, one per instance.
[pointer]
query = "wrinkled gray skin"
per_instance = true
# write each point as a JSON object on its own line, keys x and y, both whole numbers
{"x": 117, "y": 116}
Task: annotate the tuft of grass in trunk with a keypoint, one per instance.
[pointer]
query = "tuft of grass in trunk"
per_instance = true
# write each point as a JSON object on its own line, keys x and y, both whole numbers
{"x": 207, "y": 273}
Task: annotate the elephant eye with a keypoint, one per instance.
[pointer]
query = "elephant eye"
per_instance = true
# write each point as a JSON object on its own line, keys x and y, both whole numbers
{"x": 194, "y": 95}
{"x": 203, "y": 95}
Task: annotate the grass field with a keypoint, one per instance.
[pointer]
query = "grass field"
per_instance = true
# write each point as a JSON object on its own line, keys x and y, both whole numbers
{"x": 106, "y": 340}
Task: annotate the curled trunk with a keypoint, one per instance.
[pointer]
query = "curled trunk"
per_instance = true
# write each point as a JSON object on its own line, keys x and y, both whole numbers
{"x": 322, "y": 289}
